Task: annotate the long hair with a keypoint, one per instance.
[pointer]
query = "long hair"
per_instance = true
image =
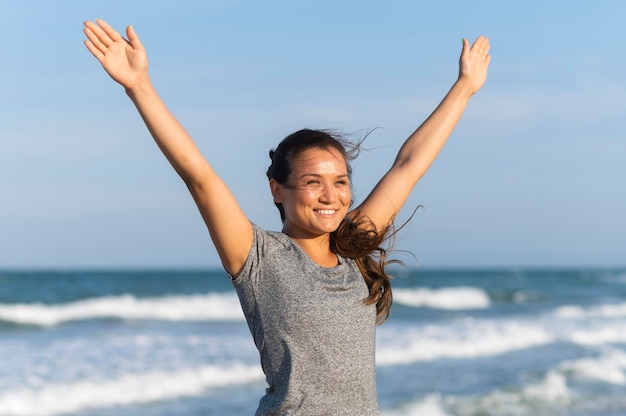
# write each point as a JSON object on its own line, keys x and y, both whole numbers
{"x": 356, "y": 237}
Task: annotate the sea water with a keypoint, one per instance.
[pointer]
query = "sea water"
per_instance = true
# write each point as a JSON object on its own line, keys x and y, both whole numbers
{"x": 459, "y": 342}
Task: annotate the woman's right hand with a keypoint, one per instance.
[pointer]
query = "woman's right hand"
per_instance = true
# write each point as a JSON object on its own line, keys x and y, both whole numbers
{"x": 124, "y": 60}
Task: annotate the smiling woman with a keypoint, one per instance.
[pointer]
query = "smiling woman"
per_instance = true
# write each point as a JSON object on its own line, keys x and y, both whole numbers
{"x": 312, "y": 293}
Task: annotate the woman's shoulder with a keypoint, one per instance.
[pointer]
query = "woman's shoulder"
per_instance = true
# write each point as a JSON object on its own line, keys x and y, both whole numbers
{"x": 270, "y": 239}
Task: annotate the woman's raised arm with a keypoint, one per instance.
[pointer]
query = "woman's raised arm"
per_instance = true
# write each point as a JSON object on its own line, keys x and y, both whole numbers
{"x": 420, "y": 150}
{"x": 126, "y": 62}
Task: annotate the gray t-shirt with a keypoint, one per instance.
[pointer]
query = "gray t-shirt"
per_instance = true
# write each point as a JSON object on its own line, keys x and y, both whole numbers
{"x": 315, "y": 336}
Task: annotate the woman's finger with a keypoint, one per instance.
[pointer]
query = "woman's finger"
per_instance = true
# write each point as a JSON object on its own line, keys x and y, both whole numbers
{"x": 94, "y": 50}
{"x": 481, "y": 45}
{"x": 100, "y": 35}
{"x": 109, "y": 31}
{"x": 133, "y": 39}
{"x": 94, "y": 41}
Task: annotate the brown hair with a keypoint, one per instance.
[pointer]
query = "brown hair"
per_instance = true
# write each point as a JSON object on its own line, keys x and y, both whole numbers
{"x": 356, "y": 237}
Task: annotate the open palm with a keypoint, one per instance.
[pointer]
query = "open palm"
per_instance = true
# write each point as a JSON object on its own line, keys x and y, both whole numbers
{"x": 124, "y": 60}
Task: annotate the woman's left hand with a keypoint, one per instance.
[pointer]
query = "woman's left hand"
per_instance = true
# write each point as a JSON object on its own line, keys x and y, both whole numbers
{"x": 474, "y": 62}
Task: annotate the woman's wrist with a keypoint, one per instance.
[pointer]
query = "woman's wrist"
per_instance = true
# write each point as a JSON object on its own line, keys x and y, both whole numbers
{"x": 141, "y": 86}
{"x": 464, "y": 88}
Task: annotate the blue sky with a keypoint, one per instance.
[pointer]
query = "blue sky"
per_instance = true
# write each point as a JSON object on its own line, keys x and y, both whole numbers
{"x": 534, "y": 175}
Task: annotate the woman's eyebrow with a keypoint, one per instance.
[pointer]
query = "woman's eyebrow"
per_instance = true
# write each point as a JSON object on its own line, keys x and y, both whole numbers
{"x": 319, "y": 175}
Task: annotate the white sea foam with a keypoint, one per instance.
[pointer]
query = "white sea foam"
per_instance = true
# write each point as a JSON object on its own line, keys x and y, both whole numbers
{"x": 430, "y": 405}
{"x": 213, "y": 306}
{"x": 471, "y": 337}
{"x": 592, "y": 325}
{"x": 546, "y": 397}
{"x": 600, "y": 311}
{"x": 130, "y": 389}
{"x": 467, "y": 339}
{"x": 599, "y": 334}
{"x": 609, "y": 367}
{"x": 445, "y": 298}
{"x": 549, "y": 395}
{"x": 555, "y": 392}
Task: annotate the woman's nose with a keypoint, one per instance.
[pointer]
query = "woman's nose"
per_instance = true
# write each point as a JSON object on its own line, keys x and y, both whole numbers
{"x": 329, "y": 194}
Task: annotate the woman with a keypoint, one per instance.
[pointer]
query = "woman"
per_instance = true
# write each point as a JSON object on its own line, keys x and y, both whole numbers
{"x": 313, "y": 293}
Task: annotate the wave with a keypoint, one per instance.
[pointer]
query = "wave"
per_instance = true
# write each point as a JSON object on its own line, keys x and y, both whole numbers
{"x": 603, "y": 311}
{"x": 445, "y": 298}
{"x": 609, "y": 367}
{"x": 555, "y": 392}
{"x": 129, "y": 389}
{"x": 209, "y": 307}
{"x": 594, "y": 325}
{"x": 467, "y": 338}
{"x": 549, "y": 395}
{"x": 599, "y": 334}
{"x": 430, "y": 405}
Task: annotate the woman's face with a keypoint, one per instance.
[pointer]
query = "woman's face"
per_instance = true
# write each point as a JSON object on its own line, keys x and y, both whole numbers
{"x": 317, "y": 194}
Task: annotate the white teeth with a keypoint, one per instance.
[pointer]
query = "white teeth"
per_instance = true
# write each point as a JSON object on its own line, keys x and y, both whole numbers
{"x": 326, "y": 211}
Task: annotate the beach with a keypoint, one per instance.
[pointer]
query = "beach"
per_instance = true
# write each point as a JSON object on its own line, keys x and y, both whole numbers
{"x": 174, "y": 342}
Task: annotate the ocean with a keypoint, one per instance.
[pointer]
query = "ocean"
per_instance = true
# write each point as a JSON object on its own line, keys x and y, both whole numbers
{"x": 174, "y": 342}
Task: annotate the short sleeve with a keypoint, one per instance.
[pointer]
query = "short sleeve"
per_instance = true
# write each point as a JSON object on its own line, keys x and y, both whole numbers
{"x": 251, "y": 265}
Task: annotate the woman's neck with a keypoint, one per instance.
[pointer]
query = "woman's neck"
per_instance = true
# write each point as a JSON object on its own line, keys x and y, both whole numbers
{"x": 318, "y": 249}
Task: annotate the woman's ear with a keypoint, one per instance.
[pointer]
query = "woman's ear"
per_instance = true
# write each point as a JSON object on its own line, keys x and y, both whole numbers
{"x": 277, "y": 191}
